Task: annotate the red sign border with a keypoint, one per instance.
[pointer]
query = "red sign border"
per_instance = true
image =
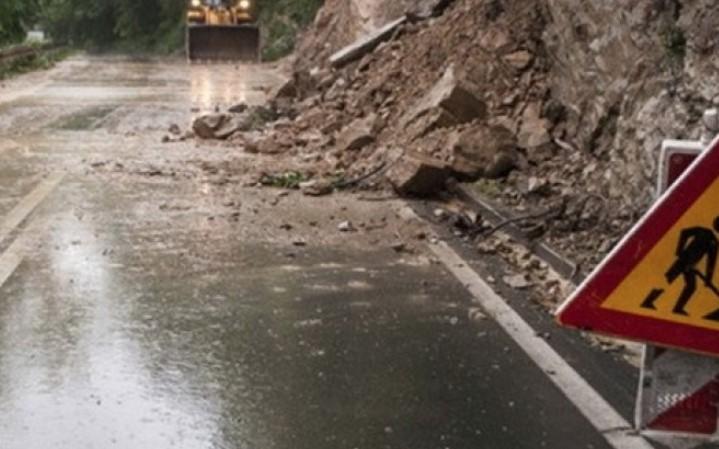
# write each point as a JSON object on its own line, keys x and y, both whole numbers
{"x": 583, "y": 309}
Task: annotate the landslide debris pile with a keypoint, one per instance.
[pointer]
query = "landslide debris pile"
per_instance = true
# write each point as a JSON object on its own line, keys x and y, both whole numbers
{"x": 554, "y": 112}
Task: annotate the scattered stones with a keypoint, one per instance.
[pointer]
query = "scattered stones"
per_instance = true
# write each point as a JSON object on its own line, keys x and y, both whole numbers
{"x": 517, "y": 281}
{"x": 174, "y": 129}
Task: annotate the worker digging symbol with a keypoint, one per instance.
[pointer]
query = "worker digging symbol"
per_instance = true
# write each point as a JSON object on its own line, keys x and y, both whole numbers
{"x": 695, "y": 244}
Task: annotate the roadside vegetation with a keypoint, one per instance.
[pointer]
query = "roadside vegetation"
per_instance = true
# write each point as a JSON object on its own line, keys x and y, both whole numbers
{"x": 16, "y": 16}
{"x": 282, "y": 22}
{"x": 41, "y": 60}
{"x": 140, "y": 25}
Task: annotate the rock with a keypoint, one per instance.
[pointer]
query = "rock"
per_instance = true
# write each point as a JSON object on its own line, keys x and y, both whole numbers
{"x": 273, "y": 144}
{"x": 488, "y": 247}
{"x": 365, "y": 44}
{"x": 426, "y": 9}
{"x": 238, "y": 108}
{"x": 346, "y": 226}
{"x": 520, "y": 59}
{"x": 538, "y": 186}
{"x": 417, "y": 174}
{"x": 476, "y": 314}
{"x": 316, "y": 187}
{"x": 534, "y": 134}
{"x": 174, "y": 129}
{"x": 483, "y": 151}
{"x": 517, "y": 281}
{"x": 399, "y": 246}
{"x": 205, "y": 126}
{"x": 454, "y": 99}
{"x": 300, "y": 85}
{"x": 535, "y": 130}
{"x": 221, "y": 126}
{"x": 358, "y": 134}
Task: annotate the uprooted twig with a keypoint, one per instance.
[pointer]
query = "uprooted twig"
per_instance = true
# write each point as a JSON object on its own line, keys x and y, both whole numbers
{"x": 381, "y": 168}
{"x": 552, "y": 211}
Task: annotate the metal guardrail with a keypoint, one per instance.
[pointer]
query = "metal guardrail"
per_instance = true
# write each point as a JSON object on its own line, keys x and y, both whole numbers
{"x": 21, "y": 51}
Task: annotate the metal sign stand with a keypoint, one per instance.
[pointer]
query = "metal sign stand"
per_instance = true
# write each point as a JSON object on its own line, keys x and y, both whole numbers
{"x": 678, "y": 398}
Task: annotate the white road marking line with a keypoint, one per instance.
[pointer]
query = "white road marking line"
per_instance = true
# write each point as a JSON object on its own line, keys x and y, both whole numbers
{"x": 9, "y": 261}
{"x": 8, "y": 144}
{"x": 13, "y": 92}
{"x": 28, "y": 204}
{"x": 14, "y": 254}
{"x": 613, "y": 427}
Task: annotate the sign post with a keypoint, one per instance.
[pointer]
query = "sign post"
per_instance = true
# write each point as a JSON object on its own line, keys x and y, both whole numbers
{"x": 659, "y": 285}
{"x": 678, "y": 391}
{"x": 661, "y": 279}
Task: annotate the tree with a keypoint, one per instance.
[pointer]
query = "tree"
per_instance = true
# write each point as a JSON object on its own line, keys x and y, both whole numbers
{"x": 15, "y": 16}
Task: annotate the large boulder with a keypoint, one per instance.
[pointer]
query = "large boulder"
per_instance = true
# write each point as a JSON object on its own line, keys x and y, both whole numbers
{"x": 365, "y": 44}
{"x": 215, "y": 126}
{"x": 299, "y": 86}
{"x": 483, "y": 151}
{"x": 358, "y": 134}
{"x": 418, "y": 175}
{"x": 451, "y": 101}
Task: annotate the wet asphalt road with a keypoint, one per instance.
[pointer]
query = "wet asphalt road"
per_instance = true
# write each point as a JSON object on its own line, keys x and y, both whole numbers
{"x": 157, "y": 307}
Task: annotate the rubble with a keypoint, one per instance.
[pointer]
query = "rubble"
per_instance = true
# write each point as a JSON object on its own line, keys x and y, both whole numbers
{"x": 494, "y": 93}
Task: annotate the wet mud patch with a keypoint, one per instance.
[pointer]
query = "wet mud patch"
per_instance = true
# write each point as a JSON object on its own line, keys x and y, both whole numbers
{"x": 86, "y": 119}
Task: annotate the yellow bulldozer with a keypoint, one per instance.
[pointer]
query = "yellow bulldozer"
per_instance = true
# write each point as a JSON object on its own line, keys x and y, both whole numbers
{"x": 222, "y": 30}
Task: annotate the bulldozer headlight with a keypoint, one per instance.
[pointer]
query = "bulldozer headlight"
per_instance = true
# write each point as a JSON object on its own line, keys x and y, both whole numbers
{"x": 245, "y": 4}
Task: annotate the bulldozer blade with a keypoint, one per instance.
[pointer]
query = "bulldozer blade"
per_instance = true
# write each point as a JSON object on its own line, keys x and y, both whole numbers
{"x": 223, "y": 43}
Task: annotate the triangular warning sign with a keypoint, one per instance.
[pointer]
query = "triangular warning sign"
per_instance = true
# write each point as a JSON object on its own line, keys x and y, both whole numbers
{"x": 660, "y": 284}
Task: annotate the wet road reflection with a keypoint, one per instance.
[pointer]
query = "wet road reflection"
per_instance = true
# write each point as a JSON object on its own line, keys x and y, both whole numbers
{"x": 226, "y": 85}
{"x": 147, "y": 317}
{"x": 143, "y": 348}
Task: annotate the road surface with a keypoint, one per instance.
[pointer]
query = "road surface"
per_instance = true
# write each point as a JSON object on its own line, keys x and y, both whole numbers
{"x": 151, "y": 298}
